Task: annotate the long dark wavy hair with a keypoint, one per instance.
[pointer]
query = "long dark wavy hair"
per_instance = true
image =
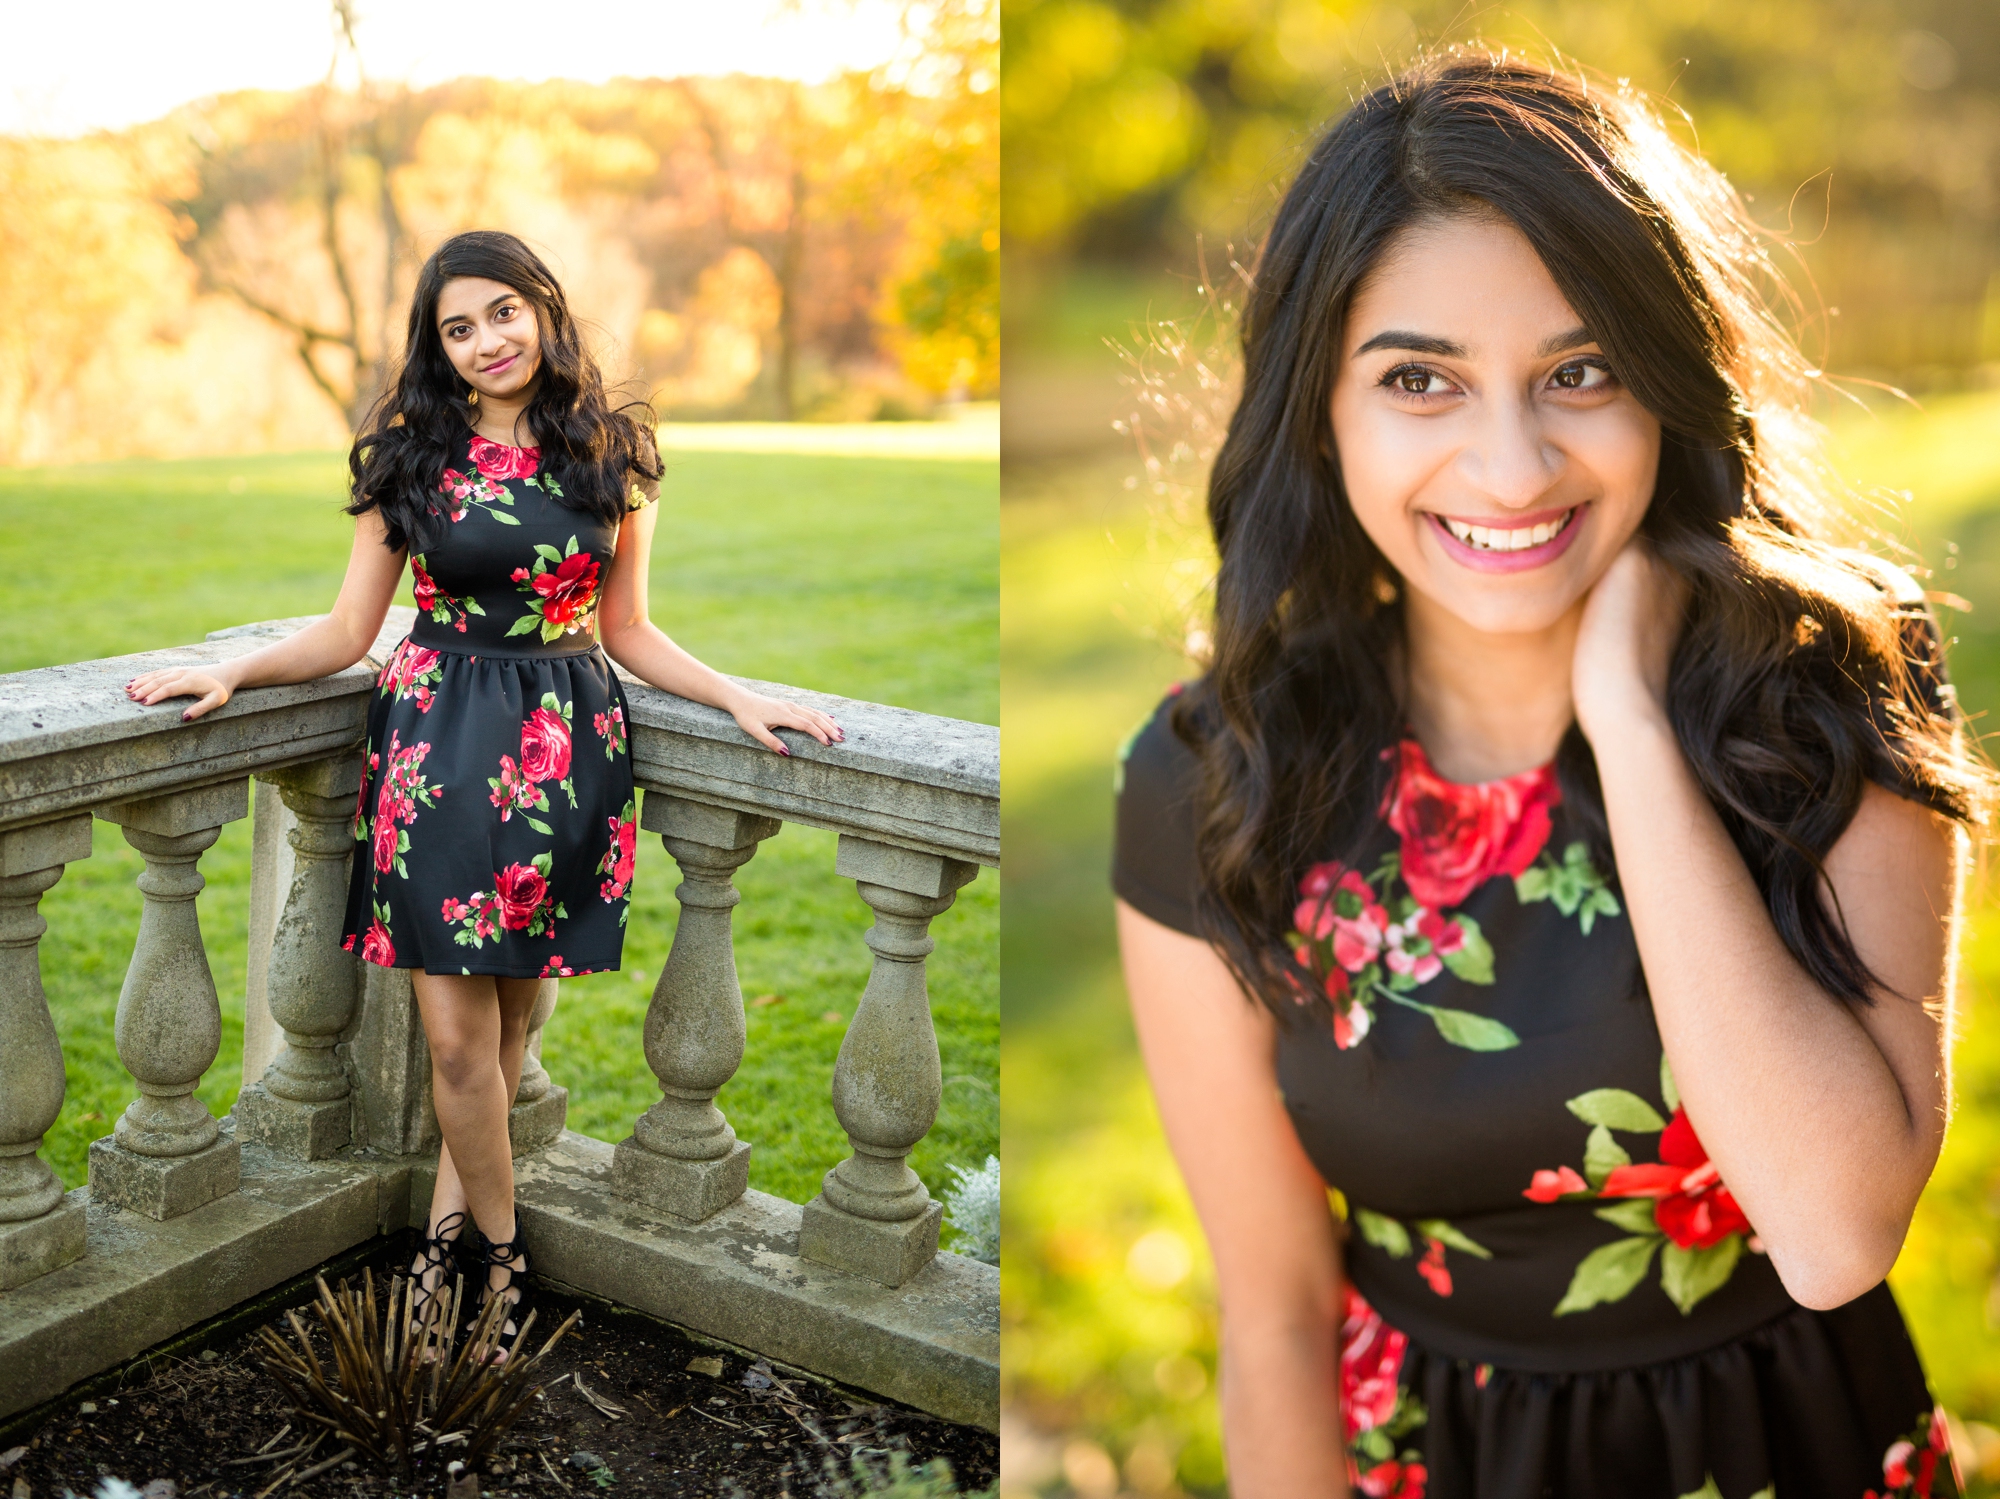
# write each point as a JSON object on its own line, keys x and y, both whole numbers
{"x": 1804, "y": 671}
{"x": 594, "y": 450}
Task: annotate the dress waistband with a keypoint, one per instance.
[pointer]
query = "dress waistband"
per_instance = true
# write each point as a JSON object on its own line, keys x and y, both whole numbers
{"x": 447, "y": 641}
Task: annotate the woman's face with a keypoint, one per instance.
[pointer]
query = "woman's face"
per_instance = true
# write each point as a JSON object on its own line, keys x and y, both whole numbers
{"x": 490, "y": 335}
{"x": 1485, "y": 443}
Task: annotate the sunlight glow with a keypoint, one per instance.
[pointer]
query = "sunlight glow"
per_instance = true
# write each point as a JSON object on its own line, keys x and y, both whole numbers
{"x": 67, "y": 70}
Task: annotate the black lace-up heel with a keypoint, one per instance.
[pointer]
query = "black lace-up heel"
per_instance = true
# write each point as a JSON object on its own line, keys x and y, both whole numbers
{"x": 520, "y": 1280}
{"x": 439, "y": 1252}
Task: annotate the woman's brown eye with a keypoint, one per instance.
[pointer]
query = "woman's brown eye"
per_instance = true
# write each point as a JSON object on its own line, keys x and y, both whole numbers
{"x": 1414, "y": 382}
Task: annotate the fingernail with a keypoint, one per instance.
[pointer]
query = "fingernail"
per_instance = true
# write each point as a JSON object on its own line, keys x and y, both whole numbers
{"x": 184, "y": 718}
{"x": 783, "y": 751}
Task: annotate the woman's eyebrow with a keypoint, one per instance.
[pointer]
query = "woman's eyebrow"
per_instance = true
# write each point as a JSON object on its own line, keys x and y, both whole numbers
{"x": 1562, "y": 343}
{"x": 1413, "y": 343}
{"x": 465, "y": 317}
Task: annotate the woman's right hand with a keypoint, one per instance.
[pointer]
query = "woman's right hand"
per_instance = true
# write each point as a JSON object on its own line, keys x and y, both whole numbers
{"x": 180, "y": 681}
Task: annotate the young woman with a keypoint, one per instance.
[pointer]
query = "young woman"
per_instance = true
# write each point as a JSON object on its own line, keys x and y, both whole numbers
{"x": 1584, "y": 830}
{"x": 496, "y": 817}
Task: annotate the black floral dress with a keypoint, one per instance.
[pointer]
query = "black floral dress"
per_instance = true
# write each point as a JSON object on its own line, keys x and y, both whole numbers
{"x": 496, "y": 817}
{"x": 1550, "y": 1291}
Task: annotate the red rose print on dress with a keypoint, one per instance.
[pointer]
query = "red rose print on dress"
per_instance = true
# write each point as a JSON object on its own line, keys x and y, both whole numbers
{"x": 1456, "y": 837}
{"x": 620, "y": 858}
{"x": 553, "y": 969}
{"x": 376, "y": 946}
{"x": 545, "y": 755}
{"x": 518, "y": 902}
{"x": 562, "y": 592}
{"x": 461, "y": 491}
{"x": 1691, "y": 1205}
{"x": 545, "y": 745}
{"x": 1377, "y": 1411}
{"x": 499, "y": 461}
{"x": 412, "y": 673}
{"x": 1677, "y": 1207}
{"x": 1361, "y": 947}
{"x": 434, "y": 601}
{"x": 361, "y": 798}
{"x": 611, "y": 729}
{"x": 398, "y": 792}
{"x": 1921, "y": 1465}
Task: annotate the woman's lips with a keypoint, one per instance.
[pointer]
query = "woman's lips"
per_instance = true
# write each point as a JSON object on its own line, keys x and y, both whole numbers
{"x": 494, "y": 369}
{"x": 1479, "y": 559}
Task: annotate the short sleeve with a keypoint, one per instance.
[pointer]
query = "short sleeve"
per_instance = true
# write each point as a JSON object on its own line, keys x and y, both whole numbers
{"x": 1153, "y": 864}
{"x": 640, "y": 493}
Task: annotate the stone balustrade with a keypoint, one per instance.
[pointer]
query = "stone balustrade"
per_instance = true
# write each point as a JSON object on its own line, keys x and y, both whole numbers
{"x": 333, "y": 1139}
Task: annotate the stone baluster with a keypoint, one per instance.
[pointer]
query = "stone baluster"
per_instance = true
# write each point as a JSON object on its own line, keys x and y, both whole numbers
{"x": 682, "y": 1155}
{"x": 301, "y": 1106}
{"x": 541, "y": 1106}
{"x": 166, "y": 1157}
{"x": 873, "y": 1214}
{"x": 41, "y": 1227}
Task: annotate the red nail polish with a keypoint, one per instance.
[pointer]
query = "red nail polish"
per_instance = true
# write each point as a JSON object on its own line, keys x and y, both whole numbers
{"x": 783, "y": 751}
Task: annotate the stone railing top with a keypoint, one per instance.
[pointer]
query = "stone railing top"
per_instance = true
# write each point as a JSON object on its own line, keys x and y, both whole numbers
{"x": 70, "y": 739}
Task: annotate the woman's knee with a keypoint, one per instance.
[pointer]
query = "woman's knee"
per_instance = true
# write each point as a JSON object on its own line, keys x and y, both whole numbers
{"x": 459, "y": 1062}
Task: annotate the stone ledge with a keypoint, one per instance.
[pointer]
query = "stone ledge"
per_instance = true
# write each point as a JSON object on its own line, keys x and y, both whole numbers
{"x": 71, "y": 740}
{"x": 933, "y": 1342}
{"x": 141, "y": 1282}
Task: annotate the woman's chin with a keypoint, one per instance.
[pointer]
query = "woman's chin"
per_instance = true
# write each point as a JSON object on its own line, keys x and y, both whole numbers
{"x": 1490, "y": 610}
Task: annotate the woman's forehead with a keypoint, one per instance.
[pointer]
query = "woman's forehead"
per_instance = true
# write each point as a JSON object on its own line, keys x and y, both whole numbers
{"x": 469, "y": 296}
{"x": 1461, "y": 287}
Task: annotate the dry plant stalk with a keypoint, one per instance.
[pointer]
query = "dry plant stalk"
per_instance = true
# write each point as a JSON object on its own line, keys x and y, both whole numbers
{"x": 397, "y": 1394}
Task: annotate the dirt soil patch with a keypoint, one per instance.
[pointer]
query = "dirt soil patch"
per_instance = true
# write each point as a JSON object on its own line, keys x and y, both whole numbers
{"x": 732, "y": 1425}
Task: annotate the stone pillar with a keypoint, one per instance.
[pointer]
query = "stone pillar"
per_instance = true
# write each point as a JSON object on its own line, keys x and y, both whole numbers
{"x": 301, "y": 1106}
{"x": 41, "y": 1227}
{"x": 541, "y": 1108}
{"x": 271, "y": 868}
{"x": 165, "y": 1156}
{"x": 873, "y": 1215}
{"x": 682, "y": 1155}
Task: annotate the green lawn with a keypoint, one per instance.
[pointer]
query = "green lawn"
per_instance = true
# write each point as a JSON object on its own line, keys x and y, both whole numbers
{"x": 871, "y": 577}
{"x": 1102, "y": 1346}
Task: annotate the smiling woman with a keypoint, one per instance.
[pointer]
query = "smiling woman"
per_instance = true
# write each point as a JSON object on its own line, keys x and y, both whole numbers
{"x": 1555, "y": 792}
{"x": 496, "y": 809}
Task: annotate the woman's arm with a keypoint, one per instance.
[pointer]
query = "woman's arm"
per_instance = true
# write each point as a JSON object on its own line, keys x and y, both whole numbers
{"x": 1209, "y": 1052}
{"x": 1824, "y": 1120}
{"x": 321, "y": 648}
{"x": 642, "y": 648}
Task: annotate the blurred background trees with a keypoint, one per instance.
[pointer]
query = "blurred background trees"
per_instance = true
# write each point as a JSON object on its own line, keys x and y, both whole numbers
{"x": 236, "y": 276}
{"x": 1867, "y": 131}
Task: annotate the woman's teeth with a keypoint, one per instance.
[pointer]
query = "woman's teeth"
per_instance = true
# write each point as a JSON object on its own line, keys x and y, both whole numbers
{"x": 1493, "y": 539}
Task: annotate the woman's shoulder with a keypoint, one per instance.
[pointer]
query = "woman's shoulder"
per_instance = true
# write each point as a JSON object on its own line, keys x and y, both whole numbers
{"x": 1154, "y": 867}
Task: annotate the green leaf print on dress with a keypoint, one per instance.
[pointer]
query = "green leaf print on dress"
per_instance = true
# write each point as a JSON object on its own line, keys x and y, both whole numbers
{"x": 1574, "y": 885}
{"x": 1678, "y": 1206}
{"x": 1393, "y": 1238}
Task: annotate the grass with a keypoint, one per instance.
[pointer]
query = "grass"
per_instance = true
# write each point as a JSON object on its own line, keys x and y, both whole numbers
{"x": 871, "y": 577}
{"x": 1106, "y": 1348}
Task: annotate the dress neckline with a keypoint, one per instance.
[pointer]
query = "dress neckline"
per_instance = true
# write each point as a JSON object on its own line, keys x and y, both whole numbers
{"x": 1412, "y": 746}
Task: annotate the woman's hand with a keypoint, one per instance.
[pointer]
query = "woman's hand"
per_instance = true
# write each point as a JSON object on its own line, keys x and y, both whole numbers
{"x": 756, "y": 715}
{"x": 1631, "y": 622}
{"x": 181, "y": 681}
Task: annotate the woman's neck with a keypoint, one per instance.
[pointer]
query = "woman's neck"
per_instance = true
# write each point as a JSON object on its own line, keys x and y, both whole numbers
{"x": 505, "y": 418}
{"x": 1484, "y": 705}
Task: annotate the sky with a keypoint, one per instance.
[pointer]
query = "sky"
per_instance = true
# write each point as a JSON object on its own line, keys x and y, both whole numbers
{"x": 70, "y": 69}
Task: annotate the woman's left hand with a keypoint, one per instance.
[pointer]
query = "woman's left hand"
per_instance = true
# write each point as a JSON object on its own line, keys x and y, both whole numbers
{"x": 1631, "y": 622}
{"x": 756, "y": 715}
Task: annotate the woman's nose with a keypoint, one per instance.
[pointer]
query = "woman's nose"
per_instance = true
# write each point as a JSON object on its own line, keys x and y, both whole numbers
{"x": 1509, "y": 460}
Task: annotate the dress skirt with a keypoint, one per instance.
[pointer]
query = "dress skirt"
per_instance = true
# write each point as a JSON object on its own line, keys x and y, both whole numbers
{"x": 496, "y": 821}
